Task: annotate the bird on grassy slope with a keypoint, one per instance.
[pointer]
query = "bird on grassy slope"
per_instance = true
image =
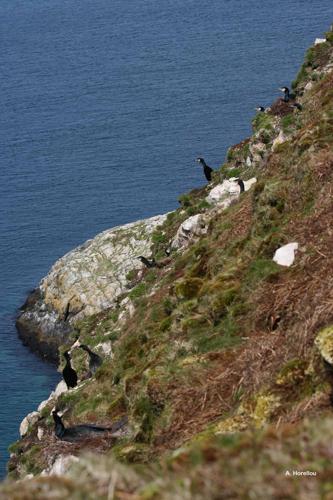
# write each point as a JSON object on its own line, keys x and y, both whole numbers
{"x": 95, "y": 360}
{"x": 148, "y": 262}
{"x": 68, "y": 373}
{"x": 207, "y": 170}
{"x": 82, "y": 431}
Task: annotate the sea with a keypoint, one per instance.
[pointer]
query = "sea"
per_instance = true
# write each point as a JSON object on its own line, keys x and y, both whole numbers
{"x": 105, "y": 104}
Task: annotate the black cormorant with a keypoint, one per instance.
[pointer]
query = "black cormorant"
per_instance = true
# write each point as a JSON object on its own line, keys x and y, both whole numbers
{"x": 287, "y": 95}
{"x": 148, "y": 262}
{"x": 260, "y": 109}
{"x": 95, "y": 360}
{"x": 69, "y": 374}
{"x": 207, "y": 170}
{"x": 240, "y": 184}
{"x": 67, "y": 311}
{"x": 83, "y": 430}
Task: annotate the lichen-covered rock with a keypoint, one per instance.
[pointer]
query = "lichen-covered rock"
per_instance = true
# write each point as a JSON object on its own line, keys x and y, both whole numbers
{"x": 40, "y": 433}
{"x": 232, "y": 424}
{"x": 324, "y": 343}
{"x": 105, "y": 348}
{"x": 28, "y": 421}
{"x": 127, "y": 310}
{"x": 90, "y": 277}
{"x": 85, "y": 281}
{"x": 190, "y": 230}
{"x": 280, "y": 139}
{"x": 266, "y": 404}
{"x": 257, "y": 151}
{"x": 294, "y": 372}
{"x": 228, "y": 188}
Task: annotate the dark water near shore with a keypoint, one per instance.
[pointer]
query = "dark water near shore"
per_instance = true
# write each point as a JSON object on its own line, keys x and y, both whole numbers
{"x": 104, "y": 106}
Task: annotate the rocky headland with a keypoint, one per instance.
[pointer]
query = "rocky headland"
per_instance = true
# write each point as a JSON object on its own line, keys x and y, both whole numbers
{"x": 219, "y": 356}
{"x": 86, "y": 281}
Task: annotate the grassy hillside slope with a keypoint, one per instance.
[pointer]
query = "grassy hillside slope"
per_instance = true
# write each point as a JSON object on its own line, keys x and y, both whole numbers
{"x": 220, "y": 366}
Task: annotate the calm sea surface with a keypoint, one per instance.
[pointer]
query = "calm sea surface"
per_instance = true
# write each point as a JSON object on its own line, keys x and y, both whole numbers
{"x": 104, "y": 106}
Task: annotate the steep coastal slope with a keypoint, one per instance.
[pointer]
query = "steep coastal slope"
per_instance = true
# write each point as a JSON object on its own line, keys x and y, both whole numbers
{"x": 221, "y": 357}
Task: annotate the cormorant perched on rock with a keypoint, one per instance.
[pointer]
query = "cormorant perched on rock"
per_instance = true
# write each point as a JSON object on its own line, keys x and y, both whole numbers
{"x": 69, "y": 374}
{"x": 95, "y": 360}
{"x": 240, "y": 184}
{"x": 83, "y": 430}
{"x": 287, "y": 94}
{"x": 207, "y": 170}
{"x": 148, "y": 262}
{"x": 260, "y": 109}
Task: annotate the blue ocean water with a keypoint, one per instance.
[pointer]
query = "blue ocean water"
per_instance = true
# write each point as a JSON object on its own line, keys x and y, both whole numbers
{"x": 104, "y": 106}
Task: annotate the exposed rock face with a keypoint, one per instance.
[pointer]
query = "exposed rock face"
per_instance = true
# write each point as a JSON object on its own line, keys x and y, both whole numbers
{"x": 41, "y": 328}
{"x": 30, "y": 419}
{"x": 60, "y": 466}
{"x": 85, "y": 281}
{"x": 190, "y": 230}
{"x": 228, "y": 191}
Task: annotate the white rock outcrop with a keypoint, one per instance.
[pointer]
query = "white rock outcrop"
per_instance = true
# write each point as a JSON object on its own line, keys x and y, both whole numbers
{"x": 285, "y": 256}
{"x": 60, "y": 389}
{"x": 190, "y": 230}
{"x": 228, "y": 191}
{"x": 29, "y": 420}
{"x": 60, "y": 466}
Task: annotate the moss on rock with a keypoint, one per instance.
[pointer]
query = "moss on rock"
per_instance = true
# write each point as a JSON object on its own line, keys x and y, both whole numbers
{"x": 324, "y": 343}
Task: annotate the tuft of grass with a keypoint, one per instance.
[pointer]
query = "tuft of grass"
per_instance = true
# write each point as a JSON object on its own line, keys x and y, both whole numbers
{"x": 261, "y": 269}
{"x": 138, "y": 291}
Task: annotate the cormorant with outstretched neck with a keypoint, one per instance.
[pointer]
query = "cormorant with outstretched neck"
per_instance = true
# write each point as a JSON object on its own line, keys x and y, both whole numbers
{"x": 207, "y": 170}
{"x": 69, "y": 374}
{"x": 82, "y": 430}
{"x": 95, "y": 360}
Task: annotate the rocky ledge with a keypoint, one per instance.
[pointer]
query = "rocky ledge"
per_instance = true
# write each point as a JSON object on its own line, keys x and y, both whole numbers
{"x": 87, "y": 280}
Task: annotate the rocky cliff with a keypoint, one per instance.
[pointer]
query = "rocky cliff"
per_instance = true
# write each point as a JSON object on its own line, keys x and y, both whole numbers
{"x": 85, "y": 281}
{"x": 220, "y": 354}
